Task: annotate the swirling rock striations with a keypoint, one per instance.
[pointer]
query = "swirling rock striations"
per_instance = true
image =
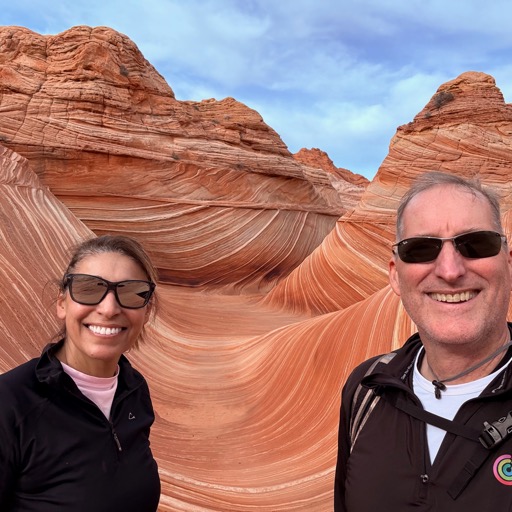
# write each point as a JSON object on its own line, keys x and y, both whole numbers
{"x": 205, "y": 184}
{"x": 273, "y": 266}
{"x": 466, "y": 128}
{"x": 35, "y": 232}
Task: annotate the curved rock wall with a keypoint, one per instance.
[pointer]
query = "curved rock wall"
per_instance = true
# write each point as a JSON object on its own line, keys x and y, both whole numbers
{"x": 273, "y": 266}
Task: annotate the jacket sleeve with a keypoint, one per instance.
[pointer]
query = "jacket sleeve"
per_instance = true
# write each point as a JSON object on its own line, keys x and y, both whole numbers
{"x": 347, "y": 395}
{"x": 342, "y": 458}
{"x": 8, "y": 446}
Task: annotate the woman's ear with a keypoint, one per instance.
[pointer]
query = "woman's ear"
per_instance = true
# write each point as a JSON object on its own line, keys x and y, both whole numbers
{"x": 149, "y": 310}
{"x": 61, "y": 306}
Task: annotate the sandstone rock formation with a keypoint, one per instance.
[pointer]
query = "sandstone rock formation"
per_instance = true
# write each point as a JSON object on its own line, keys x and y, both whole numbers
{"x": 35, "y": 231}
{"x": 108, "y": 135}
{"x": 273, "y": 266}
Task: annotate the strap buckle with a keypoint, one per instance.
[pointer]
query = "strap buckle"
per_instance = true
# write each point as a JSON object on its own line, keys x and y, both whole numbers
{"x": 495, "y": 433}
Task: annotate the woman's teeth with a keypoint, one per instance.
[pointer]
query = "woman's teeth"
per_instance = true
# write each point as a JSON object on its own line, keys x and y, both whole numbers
{"x": 108, "y": 331}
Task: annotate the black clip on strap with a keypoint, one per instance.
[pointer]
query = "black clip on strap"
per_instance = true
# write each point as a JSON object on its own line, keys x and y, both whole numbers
{"x": 493, "y": 434}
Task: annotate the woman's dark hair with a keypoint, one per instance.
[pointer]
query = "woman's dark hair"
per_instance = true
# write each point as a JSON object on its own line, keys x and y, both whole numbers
{"x": 117, "y": 244}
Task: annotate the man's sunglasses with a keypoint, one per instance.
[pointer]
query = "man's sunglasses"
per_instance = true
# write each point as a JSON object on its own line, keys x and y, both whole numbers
{"x": 91, "y": 290}
{"x": 424, "y": 249}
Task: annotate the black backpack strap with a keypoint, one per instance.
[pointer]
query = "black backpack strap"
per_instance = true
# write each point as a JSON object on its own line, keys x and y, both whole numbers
{"x": 491, "y": 437}
{"x": 480, "y": 453}
{"x": 486, "y": 441}
{"x": 362, "y": 406}
{"x": 413, "y": 410}
{"x": 468, "y": 471}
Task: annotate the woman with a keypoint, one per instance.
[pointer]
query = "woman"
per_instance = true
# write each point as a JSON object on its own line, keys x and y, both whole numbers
{"x": 75, "y": 422}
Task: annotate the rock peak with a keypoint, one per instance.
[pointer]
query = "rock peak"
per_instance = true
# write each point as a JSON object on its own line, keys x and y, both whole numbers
{"x": 273, "y": 267}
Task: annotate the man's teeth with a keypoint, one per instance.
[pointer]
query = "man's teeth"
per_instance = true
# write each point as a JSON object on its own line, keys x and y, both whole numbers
{"x": 453, "y": 297}
{"x": 108, "y": 331}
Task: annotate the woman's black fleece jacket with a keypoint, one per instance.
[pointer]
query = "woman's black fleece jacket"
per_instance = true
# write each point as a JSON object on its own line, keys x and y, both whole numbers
{"x": 58, "y": 451}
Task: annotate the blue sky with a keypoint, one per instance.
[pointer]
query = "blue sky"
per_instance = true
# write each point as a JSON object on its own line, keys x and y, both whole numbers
{"x": 338, "y": 75}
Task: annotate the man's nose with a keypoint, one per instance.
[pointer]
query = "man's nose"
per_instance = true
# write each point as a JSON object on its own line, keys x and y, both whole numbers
{"x": 450, "y": 264}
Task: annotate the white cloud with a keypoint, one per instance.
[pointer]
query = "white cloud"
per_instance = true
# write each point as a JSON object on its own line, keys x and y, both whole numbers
{"x": 340, "y": 76}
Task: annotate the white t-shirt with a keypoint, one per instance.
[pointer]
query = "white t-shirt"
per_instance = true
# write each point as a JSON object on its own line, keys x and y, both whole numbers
{"x": 450, "y": 402}
{"x": 100, "y": 390}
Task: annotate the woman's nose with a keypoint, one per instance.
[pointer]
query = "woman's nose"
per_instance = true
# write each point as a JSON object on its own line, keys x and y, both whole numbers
{"x": 109, "y": 305}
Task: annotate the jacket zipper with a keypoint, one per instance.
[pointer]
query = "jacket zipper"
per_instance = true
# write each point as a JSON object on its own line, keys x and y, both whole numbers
{"x": 114, "y": 435}
{"x": 112, "y": 429}
{"x": 424, "y": 476}
{"x": 89, "y": 402}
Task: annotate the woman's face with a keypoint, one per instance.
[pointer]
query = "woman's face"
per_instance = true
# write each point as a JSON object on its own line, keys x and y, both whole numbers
{"x": 96, "y": 336}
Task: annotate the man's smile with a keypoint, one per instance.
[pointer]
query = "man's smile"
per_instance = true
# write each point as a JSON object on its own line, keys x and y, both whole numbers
{"x": 453, "y": 297}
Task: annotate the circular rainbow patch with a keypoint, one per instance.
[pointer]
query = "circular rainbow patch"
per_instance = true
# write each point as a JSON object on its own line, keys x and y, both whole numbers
{"x": 502, "y": 469}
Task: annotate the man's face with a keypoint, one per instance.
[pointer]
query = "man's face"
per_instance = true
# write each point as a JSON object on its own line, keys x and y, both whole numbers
{"x": 431, "y": 292}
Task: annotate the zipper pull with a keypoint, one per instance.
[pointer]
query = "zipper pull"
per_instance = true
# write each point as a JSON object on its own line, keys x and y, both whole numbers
{"x": 116, "y": 439}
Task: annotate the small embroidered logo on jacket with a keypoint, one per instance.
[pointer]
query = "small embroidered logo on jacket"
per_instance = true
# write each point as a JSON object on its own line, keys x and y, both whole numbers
{"x": 131, "y": 416}
{"x": 502, "y": 469}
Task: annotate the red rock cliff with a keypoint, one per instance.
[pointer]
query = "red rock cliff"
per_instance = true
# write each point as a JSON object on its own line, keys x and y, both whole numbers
{"x": 273, "y": 267}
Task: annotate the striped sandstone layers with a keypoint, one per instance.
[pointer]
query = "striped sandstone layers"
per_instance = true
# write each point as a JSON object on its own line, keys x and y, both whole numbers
{"x": 273, "y": 266}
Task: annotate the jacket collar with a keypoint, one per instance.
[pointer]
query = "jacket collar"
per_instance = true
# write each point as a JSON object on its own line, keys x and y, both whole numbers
{"x": 398, "y": 372}
{"x": 49, "y": 370}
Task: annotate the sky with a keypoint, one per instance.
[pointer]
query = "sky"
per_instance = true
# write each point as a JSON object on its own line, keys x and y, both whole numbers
{"x": 337, "y": 75}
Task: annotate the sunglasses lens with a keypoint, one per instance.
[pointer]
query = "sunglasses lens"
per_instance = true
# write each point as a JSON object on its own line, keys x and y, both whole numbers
{"x": 134, "y": 294}
{"x": 91, "y": 290}
{"x": 87, "y": 290}
{"x": 419, "y": 250}
{"x": 480, "y": 244}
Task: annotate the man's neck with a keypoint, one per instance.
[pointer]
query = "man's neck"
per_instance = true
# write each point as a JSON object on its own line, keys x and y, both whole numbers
{"x": 459, "y": 364}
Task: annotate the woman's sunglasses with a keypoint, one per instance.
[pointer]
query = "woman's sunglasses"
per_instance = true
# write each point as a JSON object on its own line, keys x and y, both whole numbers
{"x": 424, "y": 249}
{"x": 91, "y": 290}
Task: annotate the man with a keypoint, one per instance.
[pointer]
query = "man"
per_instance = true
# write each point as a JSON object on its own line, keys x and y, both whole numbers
{"x": 427, "y": 427}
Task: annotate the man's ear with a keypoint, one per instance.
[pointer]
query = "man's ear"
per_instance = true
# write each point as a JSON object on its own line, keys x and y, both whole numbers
{"x": 509, "y": 261}
{"x": 394, "y": 280}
